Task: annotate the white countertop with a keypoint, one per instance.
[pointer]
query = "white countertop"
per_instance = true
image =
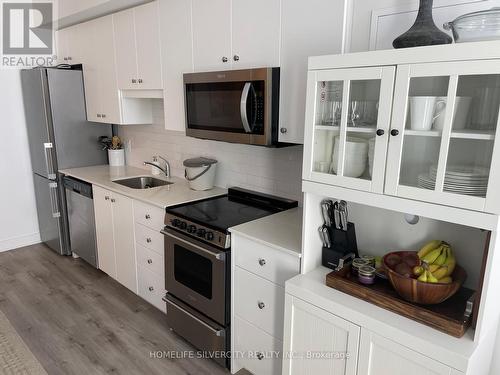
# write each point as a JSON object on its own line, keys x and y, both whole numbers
{"x": 282, "y": 231}
{"x": 163, "y": 196}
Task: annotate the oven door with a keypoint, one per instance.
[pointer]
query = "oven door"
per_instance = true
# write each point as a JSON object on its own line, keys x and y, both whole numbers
{"x": 232, "y": 106}
{"x": 196, "y": 274}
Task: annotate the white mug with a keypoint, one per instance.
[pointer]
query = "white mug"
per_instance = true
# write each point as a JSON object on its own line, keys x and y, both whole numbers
{"x": 422, "y": 110}
{"x": 460, "y": 113}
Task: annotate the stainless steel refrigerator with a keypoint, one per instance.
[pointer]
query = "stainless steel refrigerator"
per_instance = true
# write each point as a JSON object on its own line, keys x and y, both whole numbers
{"x": 59, "y": 137}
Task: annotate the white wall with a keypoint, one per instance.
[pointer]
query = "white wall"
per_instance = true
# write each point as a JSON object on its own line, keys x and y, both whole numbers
{"x": 273, "y": 171}
{"x": 18, "y": 220}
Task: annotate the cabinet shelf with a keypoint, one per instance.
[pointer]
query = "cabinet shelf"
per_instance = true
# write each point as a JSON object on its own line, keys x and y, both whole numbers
{"x": 327, "y": 127}
{"x": 487, "y": 135}
{"x": 424, "y": 133}
{"x": 350, "y": 129}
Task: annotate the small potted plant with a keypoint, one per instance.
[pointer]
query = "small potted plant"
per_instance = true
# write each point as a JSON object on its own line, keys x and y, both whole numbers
{"x": 116, "y": 153}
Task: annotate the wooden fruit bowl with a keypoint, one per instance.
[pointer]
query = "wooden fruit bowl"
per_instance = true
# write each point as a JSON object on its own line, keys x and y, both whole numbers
{"x": 423, "y": 293}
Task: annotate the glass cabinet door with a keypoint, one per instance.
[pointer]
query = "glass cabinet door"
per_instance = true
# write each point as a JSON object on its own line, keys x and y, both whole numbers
{"x": 348, "y": 115}
{"x": 443, "y": 133}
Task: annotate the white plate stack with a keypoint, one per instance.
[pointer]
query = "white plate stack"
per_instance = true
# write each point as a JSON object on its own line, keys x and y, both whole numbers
{"x": 356, "y": 156}
{"x": 459, "y": 179}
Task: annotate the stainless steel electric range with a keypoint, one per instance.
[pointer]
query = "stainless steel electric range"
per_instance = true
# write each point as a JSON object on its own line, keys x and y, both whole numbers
{"x": 197, "y": 264}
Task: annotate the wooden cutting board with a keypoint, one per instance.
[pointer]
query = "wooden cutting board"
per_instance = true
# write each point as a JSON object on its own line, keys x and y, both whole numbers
{"x": 447, "y": 317}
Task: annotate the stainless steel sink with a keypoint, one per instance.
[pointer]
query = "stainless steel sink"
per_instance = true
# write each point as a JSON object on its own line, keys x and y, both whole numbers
{"x": 142, "y": 182}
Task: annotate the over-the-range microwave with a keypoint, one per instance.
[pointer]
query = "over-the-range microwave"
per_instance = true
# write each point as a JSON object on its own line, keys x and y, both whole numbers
{"x": 239, "y": 106}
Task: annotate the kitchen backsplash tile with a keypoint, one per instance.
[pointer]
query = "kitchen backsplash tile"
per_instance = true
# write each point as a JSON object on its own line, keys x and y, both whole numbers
{"x": 273, "y": 171}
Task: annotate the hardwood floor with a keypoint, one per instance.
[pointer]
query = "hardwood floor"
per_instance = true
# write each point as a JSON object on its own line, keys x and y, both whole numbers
{"x": 77, "y": 320}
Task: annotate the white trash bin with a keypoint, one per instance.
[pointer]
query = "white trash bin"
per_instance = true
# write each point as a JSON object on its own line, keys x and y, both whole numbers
{"x": 200, "y": 173}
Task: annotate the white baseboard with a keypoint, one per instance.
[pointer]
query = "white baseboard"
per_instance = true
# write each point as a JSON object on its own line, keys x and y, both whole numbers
{"x": 16, "y": 242}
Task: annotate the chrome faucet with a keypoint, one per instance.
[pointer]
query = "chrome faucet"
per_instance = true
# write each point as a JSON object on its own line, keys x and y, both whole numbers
{"x": 167, "y": 165}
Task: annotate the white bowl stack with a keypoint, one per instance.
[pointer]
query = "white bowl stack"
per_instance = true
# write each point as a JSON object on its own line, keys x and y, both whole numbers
{"x": 356, "y": 156}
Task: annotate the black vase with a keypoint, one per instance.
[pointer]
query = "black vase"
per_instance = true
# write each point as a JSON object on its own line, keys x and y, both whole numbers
{"x": 424, "y": 31}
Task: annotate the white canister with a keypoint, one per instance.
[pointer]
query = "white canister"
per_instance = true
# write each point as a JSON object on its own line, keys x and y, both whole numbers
{"x": 116, "y": 158}
{"x": 200, "y": 172}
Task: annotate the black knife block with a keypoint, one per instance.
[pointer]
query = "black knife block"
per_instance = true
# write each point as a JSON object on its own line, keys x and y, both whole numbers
{"x": 342, "y": 243}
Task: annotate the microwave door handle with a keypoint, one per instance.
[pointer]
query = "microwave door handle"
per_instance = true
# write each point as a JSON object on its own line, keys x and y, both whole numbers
{"x": 243, "y": 106}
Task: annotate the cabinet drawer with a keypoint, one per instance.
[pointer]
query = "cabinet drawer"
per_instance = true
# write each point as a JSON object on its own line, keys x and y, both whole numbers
{"x": 259, "y": 301}
{"x": 259, "y": 351}
{"x": 151, "y": 261}
{"x": 151, "y": 288}
{"x": 149, "y": 238}
{"x": 149, "y": 216}
{"x": 269, "y": 263}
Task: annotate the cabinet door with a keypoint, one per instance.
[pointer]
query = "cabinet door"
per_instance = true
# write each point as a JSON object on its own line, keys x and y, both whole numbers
{"x": 442, "y": 147}
{"x": 177, "y": 57}
{"x": 147, "y": 34}
{"x": 123, "y": 229}
{"x": 104, "y": 231}
{"x": 125, "y": 49}
{"x": 318, "y": 342}
{"x": 211, "y": 34}
{"x": 255, "y": 44}
{"x": 378, "y": 355}
{"x": 104, "y": 50}
{"x": 308, "y": 28}
{"x": 347, "y": 127}
{"x": 90, "y": 62}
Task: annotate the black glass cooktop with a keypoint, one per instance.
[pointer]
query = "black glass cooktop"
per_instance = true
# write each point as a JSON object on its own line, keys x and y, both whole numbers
{"x": 238, "y": 207}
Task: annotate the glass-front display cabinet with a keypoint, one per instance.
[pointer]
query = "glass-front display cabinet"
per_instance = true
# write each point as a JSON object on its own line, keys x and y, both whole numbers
{"x": 443, "y": 131}
{"x": 348, "y": 116}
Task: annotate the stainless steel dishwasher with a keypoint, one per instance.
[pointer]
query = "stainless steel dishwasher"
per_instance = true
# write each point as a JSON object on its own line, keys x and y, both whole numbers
{"x": 81, "y": 219}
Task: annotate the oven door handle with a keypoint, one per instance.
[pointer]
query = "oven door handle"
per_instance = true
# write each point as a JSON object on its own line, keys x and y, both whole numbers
{"x": 243, "y": 106}
{"x": 217, "y": 332}
{"x": 218, "y": 256}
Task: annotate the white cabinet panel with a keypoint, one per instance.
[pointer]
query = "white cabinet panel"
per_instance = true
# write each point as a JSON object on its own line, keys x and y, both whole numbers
{"x": 177, "y": 58}
{"x": 123, "y": 226}
{"x": 309, "y": 28}
{"x": 104, "y": 231}
{"x": 151, "y": 261}
{"x": 211, "y": 34}
{"x": 125, "y": 49}
{"x": 151, "y": 288}
{"x": 148, "y": 215}
{"x": 378, "y": 355}
{"x": 149, "y": 238}
{"x": 255, "y": 33}
{"x": 148, "y": 48}
{"x": 309, "y": 329}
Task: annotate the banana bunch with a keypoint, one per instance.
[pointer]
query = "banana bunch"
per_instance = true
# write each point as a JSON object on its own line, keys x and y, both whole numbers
{"x": 438, "y": 263}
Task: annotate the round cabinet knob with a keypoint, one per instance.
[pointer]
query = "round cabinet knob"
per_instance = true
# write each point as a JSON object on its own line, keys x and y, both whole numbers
{"x": 113, "y": 200}
{"x": 209, "y": 236}
{"x": 261, "y": 305}
{"x": 224, "y": 59}
{"x": 103, "y": 115}
{"x": 201, "y": 232}
{"x": 134, "y": 80}
{"x": 191, "y": 229}
{"x": 236, "y": 58}
{"x": 283, "y": 130}
{"x": 148, "y": 240}
{"x": 147, "y": 216}
{"x": 106, "y": 198}
{"x": 394, "y": 132}
{"x": 183, "y": 225}
{"x": 262, "y": 262}
{"x": 139, "y": 80}
{"x": 150, "y": 261}
{"x": 380, "y": 132}
{"x": 260, "y": 356}
{"x": 151, "y": 288}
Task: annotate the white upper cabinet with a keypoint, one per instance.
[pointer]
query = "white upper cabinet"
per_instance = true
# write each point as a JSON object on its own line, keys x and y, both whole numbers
{"x": 255, "y": 33}
{"x": 211, "y": 34}
{"x": 68, "y": 44}
{"x": 137, "y": 47}
{"x": 177, "y": 58}
{"x": 308, "y": 28}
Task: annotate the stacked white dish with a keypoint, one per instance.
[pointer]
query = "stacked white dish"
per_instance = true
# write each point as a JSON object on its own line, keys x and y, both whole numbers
{"x": 459, "y": 179}
{"x": 371, "y": 155}
{"x": 356, "y": 155}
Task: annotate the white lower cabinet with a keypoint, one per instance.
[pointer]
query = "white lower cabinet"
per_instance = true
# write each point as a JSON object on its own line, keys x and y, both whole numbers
{"x": 114, "y": 218}
{"x": 378, "y": 355}
{"x": 317, "y": 341}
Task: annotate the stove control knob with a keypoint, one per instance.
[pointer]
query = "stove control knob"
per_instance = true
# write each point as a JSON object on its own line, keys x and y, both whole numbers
{"x": 175, "y": 222}
{"x": 191, "y": 229}
{"x": 182, "y": 225}
{"x": 201, "y": 232}
{"x": 209, "y": 236}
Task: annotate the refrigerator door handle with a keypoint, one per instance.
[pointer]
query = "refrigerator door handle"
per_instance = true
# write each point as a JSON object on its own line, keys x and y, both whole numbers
{"x": 53, "y": 200}
{"x": 48, "y": 147}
